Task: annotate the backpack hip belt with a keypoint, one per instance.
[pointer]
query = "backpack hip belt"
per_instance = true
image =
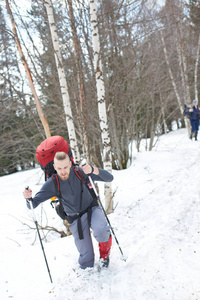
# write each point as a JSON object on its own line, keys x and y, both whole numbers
{"x": 71, "y": 219}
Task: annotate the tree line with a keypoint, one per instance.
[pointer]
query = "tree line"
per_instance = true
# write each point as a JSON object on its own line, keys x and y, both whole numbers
{"x": 150, "y": 68}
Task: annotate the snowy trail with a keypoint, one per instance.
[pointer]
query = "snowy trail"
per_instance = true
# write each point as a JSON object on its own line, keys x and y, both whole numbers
{"x": 166, "y": 225}
{"x": 157, "y": 223}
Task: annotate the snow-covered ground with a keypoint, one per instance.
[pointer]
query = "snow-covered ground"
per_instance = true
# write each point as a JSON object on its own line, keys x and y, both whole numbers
{"x": 156, "y": 221}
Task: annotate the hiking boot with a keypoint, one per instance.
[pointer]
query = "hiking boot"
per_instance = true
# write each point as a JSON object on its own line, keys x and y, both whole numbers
{"x": 105, "y": 263}
{"x": 104, "y": 249}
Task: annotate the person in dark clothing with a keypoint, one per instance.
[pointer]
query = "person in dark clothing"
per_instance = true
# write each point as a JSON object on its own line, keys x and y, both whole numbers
{"x": 76, "y": 198}
{"x": 194, "y": 119}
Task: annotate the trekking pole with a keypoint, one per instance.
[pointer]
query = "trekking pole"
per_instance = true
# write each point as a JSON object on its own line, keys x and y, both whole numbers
{"x": 98, "y": 198}
{"x": 36, "y": 225}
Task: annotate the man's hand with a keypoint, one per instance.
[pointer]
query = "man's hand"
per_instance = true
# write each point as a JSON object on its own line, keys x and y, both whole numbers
{"x": 27, "y": 193}
{"x": 88, "y": 169}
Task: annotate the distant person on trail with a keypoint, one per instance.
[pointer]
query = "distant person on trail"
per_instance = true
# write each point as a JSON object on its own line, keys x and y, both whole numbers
{"x": 194, "y": 119}
{"x": 83, "y": 211}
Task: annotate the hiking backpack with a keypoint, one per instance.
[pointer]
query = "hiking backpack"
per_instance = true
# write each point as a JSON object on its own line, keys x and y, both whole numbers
{"x": 186, "y": 112}
{"x": 46, "y": 151}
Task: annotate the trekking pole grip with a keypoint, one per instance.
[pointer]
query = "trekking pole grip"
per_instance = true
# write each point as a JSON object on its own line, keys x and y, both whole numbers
{"x": 29, "y": 199}
{"x": 31, "y": 204}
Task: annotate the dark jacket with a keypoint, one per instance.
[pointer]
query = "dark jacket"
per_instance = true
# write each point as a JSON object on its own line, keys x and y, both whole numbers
{"x": 71, "y": 191}
{"x": 194, "y": 115}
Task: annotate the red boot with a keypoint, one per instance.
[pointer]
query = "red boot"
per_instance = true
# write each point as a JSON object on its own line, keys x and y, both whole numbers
{"x": 104, "y": 249}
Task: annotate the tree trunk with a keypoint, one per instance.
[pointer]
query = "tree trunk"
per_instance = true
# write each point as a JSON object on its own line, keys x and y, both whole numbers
{"x": 173, "y": 81}
{"x": 163, "y": 112}
{"x": 63, "y": 81}
{"x": 107, "y": 158}
{"x": 153, "y": 131}
{"x": 170, "y": 72}
{"x": 82, "y": 97}
{"x": 28, "y": 73}
{"x": 196, "y": 70}
{"x": 182, "y": 62}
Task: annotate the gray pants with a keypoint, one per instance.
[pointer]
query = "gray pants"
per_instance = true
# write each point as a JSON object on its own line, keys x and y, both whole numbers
{"x": 101, "y": 233}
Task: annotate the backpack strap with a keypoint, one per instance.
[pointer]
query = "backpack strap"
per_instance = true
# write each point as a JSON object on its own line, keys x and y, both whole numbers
{"x": 80, "y": 230}
{"x": 57, "y": 185}
{"x": 85, "y": 181}
{"x": 58, "y": 203}
{"x": 79, "y": 174}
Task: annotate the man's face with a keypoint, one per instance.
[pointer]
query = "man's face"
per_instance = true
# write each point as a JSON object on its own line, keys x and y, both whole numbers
{"x": 62, "y": 168}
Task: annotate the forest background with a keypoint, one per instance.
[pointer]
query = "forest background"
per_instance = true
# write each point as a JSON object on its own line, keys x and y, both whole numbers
{"x": 150, "y": 58}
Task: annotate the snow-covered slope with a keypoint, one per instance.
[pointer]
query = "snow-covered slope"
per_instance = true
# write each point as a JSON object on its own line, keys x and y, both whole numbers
{"x": 156, "y": 221}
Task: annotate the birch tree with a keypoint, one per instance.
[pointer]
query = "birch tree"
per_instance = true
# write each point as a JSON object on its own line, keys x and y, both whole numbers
{"x": 183, "y": 69}
{"x": 194, "y": 11}
{"x": 196, "y": 70}
{"x": 82, "y": 98}
{"x": 62, "y": 80}
{"x": 173, "y": 81}
{"x": 107, "y": 158}
{"x": 170, "y": 72}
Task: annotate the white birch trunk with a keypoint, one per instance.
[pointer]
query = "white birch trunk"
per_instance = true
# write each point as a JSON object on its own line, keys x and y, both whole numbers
{"x": 173, "y": 81}
{"x": 170, "y": 72}
{"x": 196, "y": 71}
{"x": 187, "y": 88}
{"x": 163, "y": 112}
{"x": 186, "y": 79}
{"x": 107, "y": 158}
{"x": 63, "y": 81}
{"x": 180, "y": 60}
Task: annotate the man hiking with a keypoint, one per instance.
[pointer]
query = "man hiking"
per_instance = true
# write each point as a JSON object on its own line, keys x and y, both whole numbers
{"x": 81, "y": 209}
{"x": 194, "y": 114}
